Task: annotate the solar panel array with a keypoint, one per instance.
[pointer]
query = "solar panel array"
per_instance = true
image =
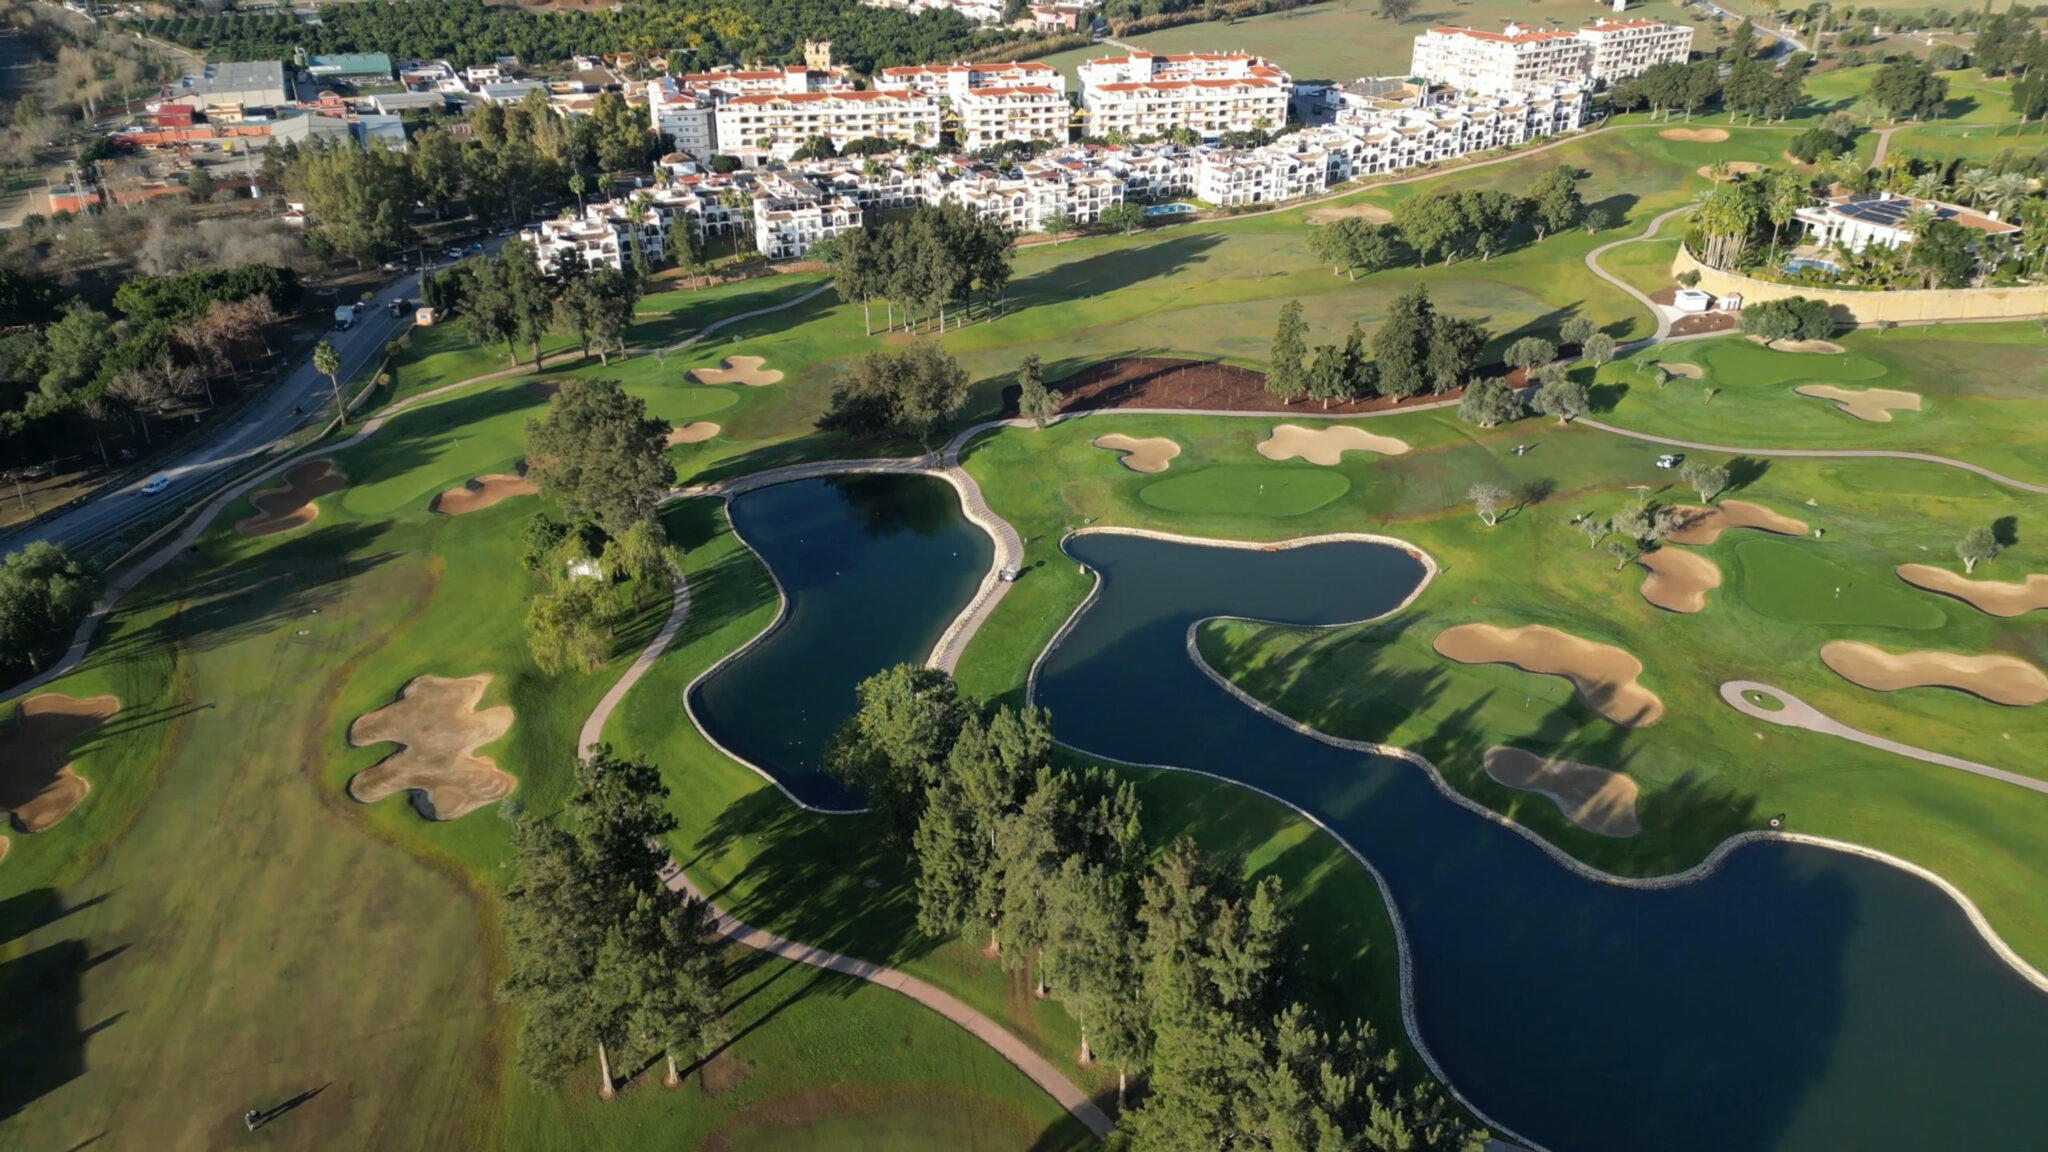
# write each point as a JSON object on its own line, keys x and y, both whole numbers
{"x": 1888, "y": 213}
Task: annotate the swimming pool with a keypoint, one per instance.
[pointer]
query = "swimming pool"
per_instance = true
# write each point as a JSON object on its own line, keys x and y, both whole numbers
{"x": 1170, "y": 210}
{"x": 1810, "y": 264}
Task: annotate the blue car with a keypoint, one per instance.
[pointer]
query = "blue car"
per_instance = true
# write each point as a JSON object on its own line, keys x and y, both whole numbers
{"x": 156, "y": 484}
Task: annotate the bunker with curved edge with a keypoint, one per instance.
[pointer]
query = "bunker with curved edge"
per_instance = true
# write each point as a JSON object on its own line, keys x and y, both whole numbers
{"x": 289, "y": 504}
{"x": 37, "y": 786}
{"x": 1326, "y": 446}
{"x": 2005, "y": 680}
{"x": 1149, "y": 454}
{"x": 436, "y": 724}
{"x": 747, "y": 370}
{"x": 1597, "y": 799}
{"x": 1604, "y": 675}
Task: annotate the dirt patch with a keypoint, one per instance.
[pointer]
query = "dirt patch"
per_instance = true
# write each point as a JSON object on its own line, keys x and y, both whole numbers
{"x": 1191, "y": 385}
{"x": 1872, "y": 404}
{"x": 482, "y": 492}
{"x": 695, "y": 432}
{"x": 1678, "y": 581}
{"x": 438, "y": 729}
{"x": 1687, "y": 371}
{"x": 1604, "y": 675}
{"x": 1597, "y": 799}
{"x": 290, "y": 505}
{"x": 1707, "y": 524}
{"x": 1370, "y": 213}
{"x": 1151, "y": 454}
{"x": 746, "y": 370}
{"x": 1700, "y": 323}
{"x": 723, "y": 1073}
{"x": 1326, "y": 446}
{"x": 1734, "y": 168}
{"x": 1993, "y": 596}
{"x": 2003, "y": 680}
{"x": 1695, "y": 135}
{"x": 37, "y": 786}
{"x": 1825, "y": 347}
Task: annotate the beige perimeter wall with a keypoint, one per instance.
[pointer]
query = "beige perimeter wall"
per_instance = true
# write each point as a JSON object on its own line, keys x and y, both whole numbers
{"x": 1908, "y": 307}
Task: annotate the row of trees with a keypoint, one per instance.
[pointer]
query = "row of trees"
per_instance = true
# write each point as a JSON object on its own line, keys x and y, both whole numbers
{"x": 1553, "y": 390}
{"x": 600, "y": 955}
{"x": 508, "y": 299}
{"x": 936, "y": 257}
{"x": 1173, "y": 963}
{"x": 1415, "y": 349}
{"x": 1455, "y": 222}
{"x": 69, "y": 382}
{"x": 693, "y": 34}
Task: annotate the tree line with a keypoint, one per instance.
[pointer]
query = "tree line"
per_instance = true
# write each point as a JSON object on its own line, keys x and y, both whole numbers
{"x": 936, "y": 257}
{"x": 44, "y": 592}
{"x": 509, "y": 299}
{"x": 1171, "y": 960}
{"x": 1551, "y": 389}
{"x": 1415, "y": 350}
{"x": 84, "y": 375}
{"x": 693, "y": 34}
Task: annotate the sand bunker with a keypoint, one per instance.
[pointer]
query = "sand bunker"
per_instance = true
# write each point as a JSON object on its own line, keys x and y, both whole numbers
{"x": 1604, "y": 675}
{"x": 2003, "y": 680}
{"x": 1734, "y": 168}
{"x": 695, "y": 432}
{"x": 1370, "y": 213}
{"x": 1707, "y": 524}
{"x": 1695, "y": 135}
{"x": 1151, "y": 454}
{"x": 1596, "y": 799}
{"x": 436, "y": 725}
{"x": 1872, "y": 404}
{"x": 1687, "y": 371}
{"x": 37, "y": 786}
{"x": 738, "y": 370}
{"x": 1678, "y": 581}
{"x": 1828, "y": 347}
{"x": 1993, "y": 596}
{"x": 290, "y": 505}
{"x": 1328, "y": 445}
{"x": 481, "y": 493}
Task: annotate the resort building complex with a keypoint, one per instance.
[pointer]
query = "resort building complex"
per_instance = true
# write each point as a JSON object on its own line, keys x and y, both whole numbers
{"x": 1143, "y": 95}
{"x": 1518, "y": 58}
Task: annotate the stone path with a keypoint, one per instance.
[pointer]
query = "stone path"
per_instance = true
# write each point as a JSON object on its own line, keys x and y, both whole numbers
{"x": 1797, "y": 713}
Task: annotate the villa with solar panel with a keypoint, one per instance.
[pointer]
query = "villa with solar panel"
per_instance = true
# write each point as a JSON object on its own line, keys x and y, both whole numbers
{"x": 1887, "y": 219}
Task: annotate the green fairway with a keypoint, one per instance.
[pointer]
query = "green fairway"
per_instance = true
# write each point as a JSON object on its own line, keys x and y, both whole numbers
{"x": 1796, "y": 583}
{"x": 1251, "y": 491}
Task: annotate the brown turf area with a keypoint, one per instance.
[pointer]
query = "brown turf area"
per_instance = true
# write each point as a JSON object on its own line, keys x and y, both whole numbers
{"x": 37, "y": 786}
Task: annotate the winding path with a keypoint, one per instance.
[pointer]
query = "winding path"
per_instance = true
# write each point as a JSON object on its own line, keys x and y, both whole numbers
{"x": 1820, "y": 454}
{"x": 1797, "y": 713}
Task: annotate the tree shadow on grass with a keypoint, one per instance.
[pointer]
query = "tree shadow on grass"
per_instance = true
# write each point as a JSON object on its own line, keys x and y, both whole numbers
{"x": 1604, "y": 398}
{"x": 1112, "y": 269}
{"x": 418, "y": 438}
{"x": 1743, "y": 471}
{"x": 42, "y": 1035}
{"x": 254, "y": 593}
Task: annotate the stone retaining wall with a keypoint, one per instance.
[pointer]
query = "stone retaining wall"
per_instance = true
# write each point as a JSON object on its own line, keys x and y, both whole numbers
{"x": 1912, "y": 306}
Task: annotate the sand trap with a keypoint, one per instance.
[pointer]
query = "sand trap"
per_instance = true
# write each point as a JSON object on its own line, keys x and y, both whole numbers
{"x": 1695, "y": 135}
{"x": 2003, "y": 680}
{"x": 1707, "y": 524}
{"x": 1604, "y": 675}
{"x": 695, "y": 432}
{"x": 290, "y": 505}
{"x": 1597, "y": 799}
{"x": 481, "y": 493}
{"x": 1872, "y": 404}
{"x": 1827, "y": 347}
{"x": 37, "y": 786}
{"x": 1735, "y": 168}
{"x": 1151, "y": 454}
{"x": 738, "y": 370}
{"x": 1993, "y": 596}
{"x": 436, "y": 725}
{"x": 1328, "y": 445}
{"x": 1678, "y": 581}
{"x": 1370, "y": 213}
{"x": 1688, "y": 371}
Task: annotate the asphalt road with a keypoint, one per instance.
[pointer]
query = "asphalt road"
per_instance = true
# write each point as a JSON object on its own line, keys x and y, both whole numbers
{"x": 269, "y": 416}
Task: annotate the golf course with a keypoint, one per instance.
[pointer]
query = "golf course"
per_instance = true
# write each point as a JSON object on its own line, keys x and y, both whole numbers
{"x": 301, "y": 742}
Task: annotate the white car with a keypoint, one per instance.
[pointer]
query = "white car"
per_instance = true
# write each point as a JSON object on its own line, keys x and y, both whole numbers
{"x": 156, "y": 485}
{"x": 1669, "y": 460}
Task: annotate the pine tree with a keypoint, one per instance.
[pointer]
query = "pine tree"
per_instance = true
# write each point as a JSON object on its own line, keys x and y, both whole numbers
{"x": 1285, "y": 375}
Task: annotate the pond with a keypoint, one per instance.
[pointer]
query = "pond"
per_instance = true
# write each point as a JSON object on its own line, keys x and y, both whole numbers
{"x": 1798, "y": 999}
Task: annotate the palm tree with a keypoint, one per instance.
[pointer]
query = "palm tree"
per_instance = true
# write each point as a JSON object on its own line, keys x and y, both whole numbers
{"x": 1918, "y": 221}
{"x": 327, "y": 362}
{"x": 576, "y": 185}
{"x": 2007, "y": 192}
{"x": 1971, "y": 184}
{"x": 1928, "y": 186}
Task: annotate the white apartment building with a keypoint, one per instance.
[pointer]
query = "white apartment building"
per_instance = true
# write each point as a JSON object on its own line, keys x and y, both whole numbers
{"x": 1144, "y": 95}
{"x": 688, "y": 119}
{"x": 791, "y": 214}
{"x": 1394, "y": 124}
{"x": 985, "y": 117}
{"x": 1231, "y": 177}
{"x": 1520, "y": 58}
{"x": 778, "y": 125}
{"x": 1625, "y": 48}
{"x": 951, "y": 81}
{"x": 1025, "y": 201}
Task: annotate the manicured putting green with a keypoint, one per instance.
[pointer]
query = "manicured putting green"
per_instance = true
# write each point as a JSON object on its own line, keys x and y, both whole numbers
{"x": 1794, "y": 582}
{"x": 1237, "y": 490}
{"x": 1741, "y": 364}
{"x": 681, "y": 403}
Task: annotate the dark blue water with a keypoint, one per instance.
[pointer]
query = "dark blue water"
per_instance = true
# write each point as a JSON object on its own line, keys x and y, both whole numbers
{"x": 874, "y": 568}
{"x": 1799, "y": 999}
